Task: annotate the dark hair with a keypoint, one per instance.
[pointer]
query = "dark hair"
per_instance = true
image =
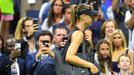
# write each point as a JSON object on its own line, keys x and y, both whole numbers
{"x": 51, "y": 18}
{"x": 91, "y": 43}
{"x": 2, "y": 48}
{"x": 60, "y": 26}
{"x": 23, "y": 22}
{"x": 100, "y": 59}
{"x": 44, "y": 33}
{"x": 66, "y": 6}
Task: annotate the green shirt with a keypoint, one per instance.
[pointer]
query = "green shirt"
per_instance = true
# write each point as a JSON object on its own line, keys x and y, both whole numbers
{"x": 6, "y": 6}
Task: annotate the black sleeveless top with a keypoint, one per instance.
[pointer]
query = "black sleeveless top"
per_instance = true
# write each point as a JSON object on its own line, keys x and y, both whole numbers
{"x": 69, "y": 42}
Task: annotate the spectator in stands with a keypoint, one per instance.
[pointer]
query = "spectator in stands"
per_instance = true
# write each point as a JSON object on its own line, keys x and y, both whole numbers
{"x": 44, "y": 11}
{"x": 129, "y": 16}
{"x": 12, "y": 64}
{"x": 59, "y": 33}
{"x": 59, "y": 40}
{"x": 44, "y": 57}
{"x": 67, "y": 17}
{"x": 124, "y": 63}
{"x": 119, "y": 8}
{"x": 89, "y": 37}
{"x": 97, "y": 17}
{"x": 118, "y": 47}
{"x": 103, "y": 57}
{"x": 55, "y": 15}
{"x": 28, "y": 44}
{"x": 107, "y": 28}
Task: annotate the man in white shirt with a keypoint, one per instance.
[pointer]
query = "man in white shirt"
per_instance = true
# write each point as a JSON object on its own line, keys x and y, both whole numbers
{"x": 129, "y": 17}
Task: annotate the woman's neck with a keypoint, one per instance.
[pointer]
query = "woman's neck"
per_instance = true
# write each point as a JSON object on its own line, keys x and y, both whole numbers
{"x": 124, "y": 72}
{"x": 67, "y": 22}
{"x": 119, "y": 48}
{"x": 31, "y": 43}
{"x": 57, "y": 18}
{"x": 80, "y": 25}
{"x": 107, "y": 38}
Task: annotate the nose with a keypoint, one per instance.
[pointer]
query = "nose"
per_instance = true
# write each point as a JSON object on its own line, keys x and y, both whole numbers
{"x": 61, "y": 37}
{"x": 106, "y": 51}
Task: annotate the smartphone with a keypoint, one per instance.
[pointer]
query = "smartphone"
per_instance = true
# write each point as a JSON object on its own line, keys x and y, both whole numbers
{"x": 18, "y": 46}
{"x": 45, "y": 42}
{"x": 35, "y": 21}
{"x": 95, "y": 4}
{"x": 65, "y": 38}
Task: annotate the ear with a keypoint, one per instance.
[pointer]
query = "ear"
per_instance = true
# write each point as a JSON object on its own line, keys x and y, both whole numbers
{"x": 38, "y": 42}
{"x": 53, "y": 38}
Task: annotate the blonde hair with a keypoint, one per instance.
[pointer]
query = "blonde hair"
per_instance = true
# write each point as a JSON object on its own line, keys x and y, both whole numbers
{"x": 18, "y": 32}
{"x": 73, "y": 17}
{"x": 118, "y": 31}
{"x": 77, "y": 11}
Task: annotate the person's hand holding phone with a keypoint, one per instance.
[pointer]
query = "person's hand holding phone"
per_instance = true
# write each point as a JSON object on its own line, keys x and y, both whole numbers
{"x": 32, "y": 29}
{"x": 64, "y": 40}
{"x": 46, "y": 47}
{"x": 14, "y": 54}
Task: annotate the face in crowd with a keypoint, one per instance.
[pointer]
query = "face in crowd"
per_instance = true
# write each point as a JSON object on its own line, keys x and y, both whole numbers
{"x": 117, "y": 40}
{"x": 109, "y": 28}
{"x": 124, "y": 62}
{"x": 88, "y": 34}
{"x": 58, "y": 36}
{"x": 57, "y": 8}
{"x": 67, "y": 15}
{"x": 104, "y": 50}
{"x": 27, "y": 25}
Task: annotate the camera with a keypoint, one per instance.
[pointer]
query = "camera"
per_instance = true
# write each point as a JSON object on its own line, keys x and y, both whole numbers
{"x": 65, "y": 38}
{"x": 35, "y": 21}
{"x": 46, "y": 42}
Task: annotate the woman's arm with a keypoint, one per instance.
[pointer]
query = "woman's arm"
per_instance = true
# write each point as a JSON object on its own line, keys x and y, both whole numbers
{"x": 71, "y": 56}
{"x": 130, "y": 22}
{"x": 130, "y": 53}
{"x": 115, "y": 5}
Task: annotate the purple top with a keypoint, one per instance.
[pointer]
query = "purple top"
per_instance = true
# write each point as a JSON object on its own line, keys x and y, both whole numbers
{"x": 108, "y": 3}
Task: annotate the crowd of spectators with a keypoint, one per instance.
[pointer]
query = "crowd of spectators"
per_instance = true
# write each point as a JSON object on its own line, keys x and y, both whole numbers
{"x": 34, "y": 45}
